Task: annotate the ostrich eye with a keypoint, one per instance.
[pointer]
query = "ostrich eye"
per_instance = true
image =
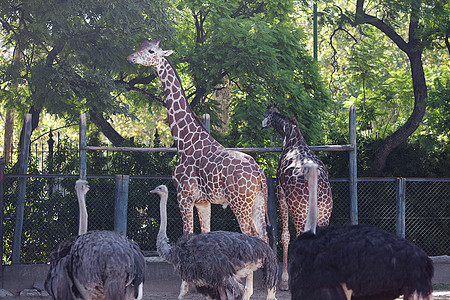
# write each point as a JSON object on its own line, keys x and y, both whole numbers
{"x": 151, "y": 51}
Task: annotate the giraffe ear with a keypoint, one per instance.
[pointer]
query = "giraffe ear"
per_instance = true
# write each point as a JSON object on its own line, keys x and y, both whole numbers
{"x": 167, "y": 52}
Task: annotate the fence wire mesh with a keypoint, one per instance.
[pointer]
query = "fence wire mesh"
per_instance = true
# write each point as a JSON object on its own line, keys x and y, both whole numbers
{"x": 51, "y": 212}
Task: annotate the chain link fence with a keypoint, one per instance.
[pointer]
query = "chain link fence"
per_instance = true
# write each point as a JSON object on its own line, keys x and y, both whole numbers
{"x": 51, "y": 211}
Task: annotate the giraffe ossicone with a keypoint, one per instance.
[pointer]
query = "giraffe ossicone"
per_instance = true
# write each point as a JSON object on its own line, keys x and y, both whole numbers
{"x": 292, "y": 189}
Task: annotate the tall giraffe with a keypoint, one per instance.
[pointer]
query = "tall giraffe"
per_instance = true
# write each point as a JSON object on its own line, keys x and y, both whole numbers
{"x": 292, "y": 189}
{"x": 206, "y": 172}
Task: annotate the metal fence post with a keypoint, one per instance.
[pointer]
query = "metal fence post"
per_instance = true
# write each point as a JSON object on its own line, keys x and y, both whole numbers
{"x": 121, "y": 204}
{"x": 83, "y": 143}
{"x": 353, "y": 167}
{"x": 272, "y": 211}
{"x": 400, "y": 211}
{"x": 206, "y": 120}
{"x": 2, "y": 192}
{"x": 21, "y": 190}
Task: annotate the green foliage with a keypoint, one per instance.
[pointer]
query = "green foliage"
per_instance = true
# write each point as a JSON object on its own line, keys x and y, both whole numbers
{"x": 438, "y": 102}
{"x": 261, "y": 51}
{"x": 70, "y": 52}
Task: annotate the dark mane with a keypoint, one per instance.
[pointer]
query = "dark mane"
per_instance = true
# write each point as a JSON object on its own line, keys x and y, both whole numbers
{"x": 293, "y": 121}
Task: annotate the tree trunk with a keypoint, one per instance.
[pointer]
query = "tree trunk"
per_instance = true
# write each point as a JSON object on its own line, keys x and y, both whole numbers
{"x": 413, "y": 48}
{"x": 111, "y": 134}
{"x": 388, "y": 144}
{"x": 222, "y": 96}
{"x": 35, "y": 113}
{"x": 8, "y": 137}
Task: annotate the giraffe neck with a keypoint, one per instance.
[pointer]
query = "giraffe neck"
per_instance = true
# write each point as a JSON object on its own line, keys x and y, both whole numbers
{"x": 289, "y": 130}
{"x": 185, "y": 126}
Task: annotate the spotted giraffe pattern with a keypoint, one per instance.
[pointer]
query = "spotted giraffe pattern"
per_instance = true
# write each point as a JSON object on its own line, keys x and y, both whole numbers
{"x": 206, "y": 172}
{"x": 292, "y": 188}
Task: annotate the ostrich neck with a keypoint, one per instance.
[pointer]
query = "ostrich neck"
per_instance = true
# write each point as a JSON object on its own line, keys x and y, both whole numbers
{"x": 83, "y": 222}
{"x": 185, "y": 126}
{"x": 162, "y": 243}
{"x": 311, "y": 219}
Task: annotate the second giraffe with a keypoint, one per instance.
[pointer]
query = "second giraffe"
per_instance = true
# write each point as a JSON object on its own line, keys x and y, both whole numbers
{"x": 292, "y": 188}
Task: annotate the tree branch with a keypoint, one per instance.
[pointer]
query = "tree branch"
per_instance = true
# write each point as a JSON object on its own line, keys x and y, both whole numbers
{"x": 150, "y": 95}
{"x": 362, "y": 18}
{"x": 446, "y": 39}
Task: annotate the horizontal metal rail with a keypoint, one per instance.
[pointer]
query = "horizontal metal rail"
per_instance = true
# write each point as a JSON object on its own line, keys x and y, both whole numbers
{"x": 247, "y": 150}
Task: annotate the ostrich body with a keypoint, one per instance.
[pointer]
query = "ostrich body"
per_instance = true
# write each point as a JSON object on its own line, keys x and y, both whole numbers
{"x": 215, "y": 261}
{"x": 95, "y": 264}
{"x": 355, "y": 261}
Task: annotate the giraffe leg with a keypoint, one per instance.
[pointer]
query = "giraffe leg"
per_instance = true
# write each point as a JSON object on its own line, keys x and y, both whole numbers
{"x": 184, "y": 288}
{"x": 204, "y": 215}
{"x": 245, "y": 221}
{"x": 285, "y": 238}
{"x": 259, "y": 214}
{"x": 187, "y": 214}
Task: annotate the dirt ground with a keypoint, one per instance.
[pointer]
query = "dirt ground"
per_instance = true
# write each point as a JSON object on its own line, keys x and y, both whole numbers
{"x": 260, "y": 295}
{"x": 192, "y": 295}
{"x": 257, "y": 294}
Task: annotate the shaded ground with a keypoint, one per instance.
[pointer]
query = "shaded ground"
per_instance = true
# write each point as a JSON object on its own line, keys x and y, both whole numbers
{"x": 257, "y": 295}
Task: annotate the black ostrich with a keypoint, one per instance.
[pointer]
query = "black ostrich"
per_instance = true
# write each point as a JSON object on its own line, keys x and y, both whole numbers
{"x": 95, "y": 264}
{"x": 215, "y": 261}
{"x": 355, "y": 261}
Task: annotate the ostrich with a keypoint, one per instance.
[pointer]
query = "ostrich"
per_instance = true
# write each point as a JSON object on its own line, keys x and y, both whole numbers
{"x": 215, "y": 261}
{"x": 95, "y": 264}
{"x": 355, "y": 261}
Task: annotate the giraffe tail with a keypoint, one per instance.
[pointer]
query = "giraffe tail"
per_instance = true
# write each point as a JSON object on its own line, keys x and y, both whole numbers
{"x": 270, "y": 235}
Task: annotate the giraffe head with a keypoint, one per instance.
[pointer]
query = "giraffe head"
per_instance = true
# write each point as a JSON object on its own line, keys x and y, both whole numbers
{"x": 268, "y": 114}
{"x": 149, "y": 54}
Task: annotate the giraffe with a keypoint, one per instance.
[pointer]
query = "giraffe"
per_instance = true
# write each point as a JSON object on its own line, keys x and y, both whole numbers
{"x": 206, "y": 172}
{"x": 292, "y": 189}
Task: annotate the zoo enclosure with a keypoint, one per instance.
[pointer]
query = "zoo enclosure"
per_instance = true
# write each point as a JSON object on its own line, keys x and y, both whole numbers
{"x": 122, "y": 183}
{"x": 51, "y": 211}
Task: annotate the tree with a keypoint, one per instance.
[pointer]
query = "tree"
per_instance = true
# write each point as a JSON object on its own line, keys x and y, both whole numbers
{"x": 259, "y": 49}
{"x": 428, "y": 23}
{"x": 71, "y": 53}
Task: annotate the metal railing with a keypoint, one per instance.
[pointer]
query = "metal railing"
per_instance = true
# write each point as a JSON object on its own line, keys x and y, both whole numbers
{"x": 51, "y": 211}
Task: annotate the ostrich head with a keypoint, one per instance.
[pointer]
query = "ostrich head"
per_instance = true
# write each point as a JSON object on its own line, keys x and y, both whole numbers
{"x": 82, "y": 186}
{"x": 160, "y": 190}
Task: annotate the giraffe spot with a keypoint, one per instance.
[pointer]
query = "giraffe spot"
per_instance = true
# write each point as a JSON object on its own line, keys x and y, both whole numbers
{"x": 197, "y": 155}
{"x": 179, "y": 115}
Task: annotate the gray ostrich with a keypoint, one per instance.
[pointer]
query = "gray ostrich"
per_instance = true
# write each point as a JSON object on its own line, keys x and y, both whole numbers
{"x": 95, "y": 264}
{"x": 215, "y": 261}
{"x": 355, "y": 261}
